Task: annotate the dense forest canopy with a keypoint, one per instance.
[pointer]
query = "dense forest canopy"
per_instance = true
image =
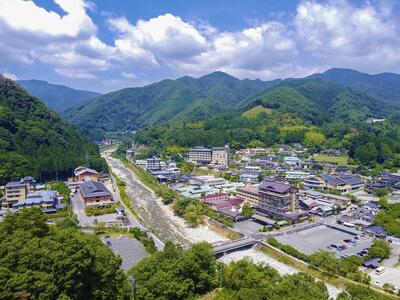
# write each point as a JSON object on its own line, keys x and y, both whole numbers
{"x": 38, "y": 261}
{"x": 35, "y": 140}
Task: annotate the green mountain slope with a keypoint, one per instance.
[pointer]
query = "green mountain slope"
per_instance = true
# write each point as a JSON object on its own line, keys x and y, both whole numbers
{"x": 384, "y": 86}
{"x": 186, "y": 99}
{"x": 224, "y": 88}
{"x": 167, "y": 101}
{"x": 317, "y": 101}
{"x": 57, "y": 97}
{"x": 35, "y": 140}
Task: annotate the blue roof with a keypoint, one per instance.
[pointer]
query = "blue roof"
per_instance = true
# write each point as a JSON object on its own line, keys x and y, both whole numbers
{"x": 376, "y": 229}
{"x": 350, "y": 179}
{"x": 332, "y": 179}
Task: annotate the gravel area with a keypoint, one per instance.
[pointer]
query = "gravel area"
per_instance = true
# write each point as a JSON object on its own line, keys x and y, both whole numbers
{"x": 156, "y": 214}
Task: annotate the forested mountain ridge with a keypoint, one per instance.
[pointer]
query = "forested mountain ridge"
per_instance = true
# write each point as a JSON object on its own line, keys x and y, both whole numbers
{"x": 317, "y": 101}
{"x": 55, "y": 96}
{"x": 383, "y": 86}
{"x": 185, "y": 99}
{"x": 313, "y": 100}
{"x": 34, "y": 140}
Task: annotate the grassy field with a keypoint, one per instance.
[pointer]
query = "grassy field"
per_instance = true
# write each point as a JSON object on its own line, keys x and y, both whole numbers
{"x": 201, "y": 172}
{"x": 339, "y": 160}
{"x": 253, "y": 112}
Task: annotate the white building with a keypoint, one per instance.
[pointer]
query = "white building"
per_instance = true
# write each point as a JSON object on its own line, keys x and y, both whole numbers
{"x": 141, "y": 163}
{"x": 296, "y": 175}
{"x": 209, "y": 180}
{"x": 291, "y": 160}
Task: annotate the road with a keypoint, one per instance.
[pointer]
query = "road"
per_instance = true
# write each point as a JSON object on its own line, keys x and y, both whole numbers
{"x": 79, "y": 209}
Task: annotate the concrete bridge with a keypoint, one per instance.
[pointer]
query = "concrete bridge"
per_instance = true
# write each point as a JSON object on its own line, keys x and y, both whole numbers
{"x": 226, "y": 247}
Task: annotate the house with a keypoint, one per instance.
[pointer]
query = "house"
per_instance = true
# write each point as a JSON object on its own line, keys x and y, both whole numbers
{"x": 291, "y": 160}
{"x": 296, "y": 175}
{"x": 248, "y": 177}
{"x": 48, "y": 201}
{"x": 377, "y": 231}
{"x": 307, "y": 203}
{"x": 230, "y": 207}
{"x": 153, "y": 163}
{"x": 86, "y": 174}
{"x": 94, "y": 193}
{"x": 372, "y": 263}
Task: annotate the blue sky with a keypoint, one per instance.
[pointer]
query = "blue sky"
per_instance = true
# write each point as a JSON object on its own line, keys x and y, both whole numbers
{"x": 105, "y": 45}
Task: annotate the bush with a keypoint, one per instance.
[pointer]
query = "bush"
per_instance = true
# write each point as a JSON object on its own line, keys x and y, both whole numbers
{"x": 100, "y": 210}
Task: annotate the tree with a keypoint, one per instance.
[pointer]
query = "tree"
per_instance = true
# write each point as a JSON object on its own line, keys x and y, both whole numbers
{"x": 247, "y": 211}
{"x": 176, "y": 274}
{"x": 193, "y": 215}
{"x": 39, "y": 261}
{"x": 186, "y": 167}
{"x": 380, "y": 248}
{"x": 313, "y": 139}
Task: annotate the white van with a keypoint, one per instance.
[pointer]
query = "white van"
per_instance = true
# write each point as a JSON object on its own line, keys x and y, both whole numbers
{"x": 380, "y": 270}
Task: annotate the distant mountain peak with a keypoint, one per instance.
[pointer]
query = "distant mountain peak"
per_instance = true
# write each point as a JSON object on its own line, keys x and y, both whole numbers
{"x": 218, "y": 74}
{"x": 58, "y": 97}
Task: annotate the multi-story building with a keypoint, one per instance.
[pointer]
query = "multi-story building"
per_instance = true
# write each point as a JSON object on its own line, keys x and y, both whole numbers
{"x": 249, "y": 193}
{"x": 15, "y": 192}
{"x": 94, "y": 193}
{"x": 278, "y": 196}
{"x": 47, "y": 200}
{"x": 154, "y": 163}
{"x": 220, "y": 156}
{"x": 200, "y": 155}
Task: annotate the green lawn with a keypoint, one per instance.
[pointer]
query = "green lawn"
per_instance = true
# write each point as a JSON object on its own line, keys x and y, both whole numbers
{"x": 253, "y": 112}
{"x": 339, "y": 160}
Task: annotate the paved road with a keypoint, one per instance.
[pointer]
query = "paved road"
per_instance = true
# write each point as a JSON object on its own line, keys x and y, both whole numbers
{"x": 79, "y": 209}
{"x": 130, "y": 250}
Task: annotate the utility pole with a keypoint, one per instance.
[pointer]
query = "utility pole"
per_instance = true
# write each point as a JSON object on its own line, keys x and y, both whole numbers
{"x": 87, "y": 159}
{"x": 132, "y": 282}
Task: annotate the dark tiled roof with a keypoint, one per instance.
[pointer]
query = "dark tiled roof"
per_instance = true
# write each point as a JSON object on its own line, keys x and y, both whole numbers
{"x": 93, "y": 189}
{"x": 273, "y": 185}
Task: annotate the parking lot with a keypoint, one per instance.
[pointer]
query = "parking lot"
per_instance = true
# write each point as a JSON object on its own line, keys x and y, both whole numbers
{"x": 130, "y": 250}
{"x": 320, "y": 238}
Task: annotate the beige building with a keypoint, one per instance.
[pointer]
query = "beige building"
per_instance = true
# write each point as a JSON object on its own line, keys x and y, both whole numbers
{"x": 14, "y": 192}
{"x": 220, "y": 156}
{"x": 250, "y": 194}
